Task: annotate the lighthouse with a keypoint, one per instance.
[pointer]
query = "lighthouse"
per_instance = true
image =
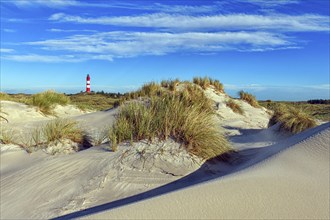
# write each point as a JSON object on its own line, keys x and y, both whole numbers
{"x": 88, "y": 84}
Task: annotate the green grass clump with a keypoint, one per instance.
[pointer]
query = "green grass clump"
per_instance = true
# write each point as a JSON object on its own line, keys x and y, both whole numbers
{"x": 293, "y": 120}
{"x": 45, "y": 101}
{"x": 235, "y": 107}
{"x": 249, "y": 98}
{"x": 175, "y": 116}
{"x": 60, "y": 129}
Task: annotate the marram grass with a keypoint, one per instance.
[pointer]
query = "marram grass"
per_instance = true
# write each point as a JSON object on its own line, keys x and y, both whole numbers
{"x": 60, "y": 129}
{"x": 235, "y": 107}
{"x": 249, "y": 98}
{"x": 45, "y": 101}
{"x": 176, "y": 116}
{"x": 292, "y": 119}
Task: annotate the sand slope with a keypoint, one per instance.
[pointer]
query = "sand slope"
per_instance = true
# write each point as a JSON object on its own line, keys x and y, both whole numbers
{"x": 273, "y": 175}
{"x": 293, "y": 184}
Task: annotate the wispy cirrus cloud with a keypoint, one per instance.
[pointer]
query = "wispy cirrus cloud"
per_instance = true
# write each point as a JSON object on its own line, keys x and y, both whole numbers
{"x": 271, "y": 3}
{"x": 69, "y": 30}
{"x": 140, "y": 6}
{"x": 7, "y": 30}
{"x": 120, "y": 44}
{"x": 279, "y": 22}
{"x": 72, "y": 58}
{"x": 6, "y": 50}
{"x": 128, "y": 44}
{"x": 47, "y": 3}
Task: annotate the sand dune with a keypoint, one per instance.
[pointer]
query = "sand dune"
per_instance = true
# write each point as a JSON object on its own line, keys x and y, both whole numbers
{"x": 293, "y": 184}
{"x": 272, "y": 175}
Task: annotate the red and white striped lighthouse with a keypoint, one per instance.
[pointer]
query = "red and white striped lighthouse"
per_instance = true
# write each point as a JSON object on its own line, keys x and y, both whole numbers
{"x": 88, "y": 84}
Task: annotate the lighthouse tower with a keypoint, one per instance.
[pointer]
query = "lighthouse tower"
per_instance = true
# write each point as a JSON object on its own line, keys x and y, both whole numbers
{"x": 88, "y": 84}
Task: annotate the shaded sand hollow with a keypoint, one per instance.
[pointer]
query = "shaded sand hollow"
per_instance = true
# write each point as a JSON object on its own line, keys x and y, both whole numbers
{"x": 273, "y": 175}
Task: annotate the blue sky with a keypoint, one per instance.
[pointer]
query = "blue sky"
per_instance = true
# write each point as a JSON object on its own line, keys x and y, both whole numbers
{"x": 275, "y": 49}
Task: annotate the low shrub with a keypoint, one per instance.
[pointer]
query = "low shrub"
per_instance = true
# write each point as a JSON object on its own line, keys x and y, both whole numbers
{"x": 235, "y": 107}
{"x": 45, "y": 101}
{"x": 249, "y": 98}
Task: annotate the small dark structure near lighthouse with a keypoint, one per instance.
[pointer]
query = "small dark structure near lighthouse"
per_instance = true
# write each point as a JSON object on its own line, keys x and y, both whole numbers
{"x": 88, "y": 84}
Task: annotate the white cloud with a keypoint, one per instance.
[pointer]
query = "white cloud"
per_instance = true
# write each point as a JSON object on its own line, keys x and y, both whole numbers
{"x": 8, "y": 30}
{"x": 69, "y": 30}
{"x": 47, "y": 3}
{"x": 129, "y": 44}
{"x": 6, "y": 50}
{"x": 271, "y": 3}
{"x": 238, "y": 22}
{"x": 55, "y": 59}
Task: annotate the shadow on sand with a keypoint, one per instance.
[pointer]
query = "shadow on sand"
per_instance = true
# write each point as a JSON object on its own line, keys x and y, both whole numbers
{"x": 212, "y": 169}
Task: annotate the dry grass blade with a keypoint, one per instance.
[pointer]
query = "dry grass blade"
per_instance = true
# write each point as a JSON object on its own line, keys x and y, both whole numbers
{"x": 235, "y": 107}
{"x": 249, "y": 98}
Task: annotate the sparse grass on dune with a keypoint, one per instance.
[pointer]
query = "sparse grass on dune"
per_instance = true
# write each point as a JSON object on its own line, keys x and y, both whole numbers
{"x": 59, "y": 129}
{"x": 317, "y": 111}
{"x": 170, "y": 84}
{"x": 249, "y": 98}
{"x": 205, "y": 82}
{"x": 4, "y": 96}
{"x": 7, "y": 136}
{"x": 293, "y": 120}
{"x": 45, "y": 101}
{"x": 4, "y": 113}
{"x": 177, "y": 116}
{"x": 235, "y": 107}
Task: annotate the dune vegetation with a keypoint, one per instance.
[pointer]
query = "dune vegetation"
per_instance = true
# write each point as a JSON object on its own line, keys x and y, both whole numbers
{"x": 235, "y": 107}
{"x": 186, "y": 116}
{"x": 45, "y": 101}
{"x": 206, "y": 82}
{"x": 60, "y": 129}
{"x": 317, "y": 110}
{"x": 249, "y": 98}
{"x": 293, "y": 120}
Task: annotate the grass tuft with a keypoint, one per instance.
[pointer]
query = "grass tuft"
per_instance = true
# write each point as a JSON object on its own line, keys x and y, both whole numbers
{"x": 249, "y": 98}
{"x": 235, "y": 107}
{"x": 60, "y": 129}
{"x": 292, "y": 119}
{"x": 45, "y": 101}
{"x": 7, "y": 136}
{"x": 170, "y": 84}
{"x": 206, "y": 82}
{"x": 179, "y": 116}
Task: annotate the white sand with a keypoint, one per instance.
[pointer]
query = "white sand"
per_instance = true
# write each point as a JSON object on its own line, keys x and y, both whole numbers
{"x": 293, "y": 184}
{"x": 273, "y": 176}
